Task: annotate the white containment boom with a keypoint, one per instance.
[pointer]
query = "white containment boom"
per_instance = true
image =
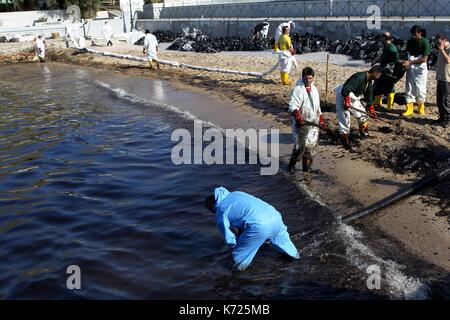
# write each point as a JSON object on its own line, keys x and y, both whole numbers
{"x": 184, "y": 65}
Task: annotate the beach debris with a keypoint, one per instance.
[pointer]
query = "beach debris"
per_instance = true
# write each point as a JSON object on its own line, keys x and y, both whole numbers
{"x": 385, "y": 129}
{"x": 196, "y": 41}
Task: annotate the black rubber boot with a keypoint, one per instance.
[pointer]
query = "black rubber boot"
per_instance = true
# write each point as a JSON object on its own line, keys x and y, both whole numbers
{"x": 345, "y": 140}
{"x": 294, "y": 159}
{"x": 307, "y": 164}
{"x": 363, "y": 134}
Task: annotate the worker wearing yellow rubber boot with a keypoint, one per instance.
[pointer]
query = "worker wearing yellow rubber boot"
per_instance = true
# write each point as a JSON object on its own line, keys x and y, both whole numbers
{"x": 285, "y": 55}
{"x": 385, "y": 84}
{"x": 279, "y": 32}
{"x": 418, "y": 49}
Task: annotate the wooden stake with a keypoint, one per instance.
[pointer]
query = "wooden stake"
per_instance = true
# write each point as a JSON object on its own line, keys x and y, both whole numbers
{"x": 326, "y": 81}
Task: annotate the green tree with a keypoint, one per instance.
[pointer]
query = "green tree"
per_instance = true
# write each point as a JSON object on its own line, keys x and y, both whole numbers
{"x": 26, "y": 5}
{"x": 88, "y": 8}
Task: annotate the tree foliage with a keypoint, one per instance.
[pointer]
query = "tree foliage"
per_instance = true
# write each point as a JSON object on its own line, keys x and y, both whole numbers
{"x": 88, "y": 8}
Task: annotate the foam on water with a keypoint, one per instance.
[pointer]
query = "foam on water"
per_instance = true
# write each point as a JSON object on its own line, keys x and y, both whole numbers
{"x": 361, "y": 256}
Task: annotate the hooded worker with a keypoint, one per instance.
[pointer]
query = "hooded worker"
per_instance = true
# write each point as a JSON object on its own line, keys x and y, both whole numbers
{"x": 151, "y": 49}
{"x": 349, "y": 97}
{"x": 260, "y": 31}
{"x": 285, "y": 55}
{"x": 255, "y": 221}
{"x": 40, "y": 48}
{"x": 386, "y": 82}
{"x": 279, "y": 31}
{"x": 306, "y": 119}
{"x": 418, "y": 49}
{"x": 107, "y": 33}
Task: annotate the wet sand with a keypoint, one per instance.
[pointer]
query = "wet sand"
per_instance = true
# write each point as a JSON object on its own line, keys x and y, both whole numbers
{"x": 344, "y": 180}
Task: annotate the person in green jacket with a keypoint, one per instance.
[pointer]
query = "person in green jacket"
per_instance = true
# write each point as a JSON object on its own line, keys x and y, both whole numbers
{"x": 389, "y": 55}
{"x": 349, "y": 97}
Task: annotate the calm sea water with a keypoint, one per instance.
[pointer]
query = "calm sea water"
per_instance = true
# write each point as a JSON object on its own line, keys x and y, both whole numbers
{"x": 86, "y": 179}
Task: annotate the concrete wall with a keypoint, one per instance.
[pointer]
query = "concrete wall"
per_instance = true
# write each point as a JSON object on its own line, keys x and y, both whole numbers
{"x": 330, "y": 29}
{"x": 151, "y": 11}
{"x": 178, "y": 3}
{"x": 337, "y": 19}
{"x": 93, "y": 28}
{"x": 305, "y": 8}
{"x": 26, "y": 18}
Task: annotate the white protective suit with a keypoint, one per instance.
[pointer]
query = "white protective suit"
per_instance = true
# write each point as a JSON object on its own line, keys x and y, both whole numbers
{"x": 81, "y": 43}
{"x": 107, "y": 32}
{"x": 416, "y": 81}
{"x": 285, "y": 58}
{"x": 265, "y": 31}
{"x": 306, "y": 137}
{"x": 343, "y": 114}
{"x": 40, "y": 48}
{"x": 280, "y": 27}
{"x": 150, "y": 45}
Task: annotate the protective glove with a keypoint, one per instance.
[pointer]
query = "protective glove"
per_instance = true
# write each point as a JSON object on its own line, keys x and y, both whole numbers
{"x": 347, "y": 102}
{"x": 298, "y": 118}
{"x": 372, "y": 112}
{"x": 322, "y": 123}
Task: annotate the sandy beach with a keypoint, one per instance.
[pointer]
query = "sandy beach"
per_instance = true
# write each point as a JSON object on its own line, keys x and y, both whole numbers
{"x": 398, "y": 152}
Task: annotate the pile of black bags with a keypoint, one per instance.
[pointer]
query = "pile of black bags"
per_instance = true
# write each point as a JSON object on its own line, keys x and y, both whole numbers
{"x": 196, "y": 41}
{"x": 367, "y": 47}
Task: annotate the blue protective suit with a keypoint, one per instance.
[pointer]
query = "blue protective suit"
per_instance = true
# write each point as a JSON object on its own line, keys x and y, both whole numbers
{"x": 258, "y": 220}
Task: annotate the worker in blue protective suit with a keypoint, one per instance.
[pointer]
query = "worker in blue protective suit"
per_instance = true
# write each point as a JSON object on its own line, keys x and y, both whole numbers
{"x": 255, "y": 220}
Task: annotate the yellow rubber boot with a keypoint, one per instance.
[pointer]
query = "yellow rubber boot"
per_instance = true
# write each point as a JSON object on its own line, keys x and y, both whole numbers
{"x": 377, "y": 100}
{"x": 422, "y": 108}
{"x": 390, "y": 100}
{"x": 285, "y": 79}
{"x": 409, "y": 109}
{"x": 282, "y": 77}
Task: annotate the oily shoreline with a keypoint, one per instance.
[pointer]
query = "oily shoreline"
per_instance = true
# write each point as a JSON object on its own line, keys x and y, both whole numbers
{"x": 269, "y": 100}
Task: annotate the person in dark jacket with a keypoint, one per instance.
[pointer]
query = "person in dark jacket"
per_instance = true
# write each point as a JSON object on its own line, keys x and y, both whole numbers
{"x": 349, "y": 97}
{"x": 385, "y": 84}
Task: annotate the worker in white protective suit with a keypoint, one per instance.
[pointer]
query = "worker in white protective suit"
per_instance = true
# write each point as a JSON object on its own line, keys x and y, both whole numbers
{"x": 306, "y": 120}
{"x": 151, "y": 49}
{"x": 260, "y": 31}
{"x": 107, "y": 33}
{"x": 265, "y": 30}
{"x": 40, "y": 48}
{"x": 349, "y": 98}
{"x": 418, "y": 49}
{"x": 279, "y": 31}
{"x": 285, "y": 55}
{"x": 81, "y": 43}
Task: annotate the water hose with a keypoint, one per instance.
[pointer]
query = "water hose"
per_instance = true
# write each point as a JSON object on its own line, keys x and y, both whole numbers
{"x": 379, "y": 205}
{"x": 403, "y": 193}
{"x": 184, "y": 65}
